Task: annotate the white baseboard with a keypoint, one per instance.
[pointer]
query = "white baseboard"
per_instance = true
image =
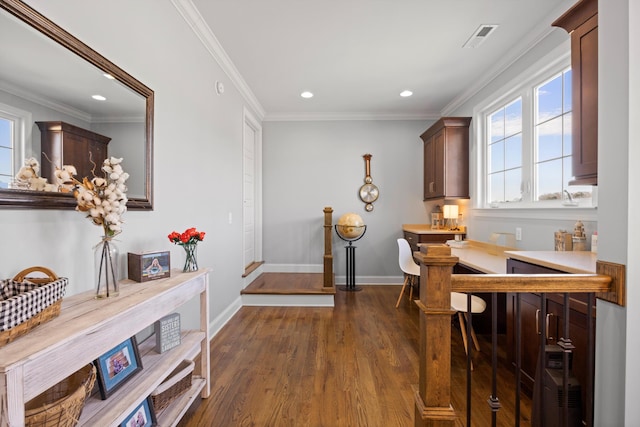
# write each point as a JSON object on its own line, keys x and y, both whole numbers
{"x": 293, "y": 268}
{"x": 216, "y": 324}
{"x": 272, "y": 300}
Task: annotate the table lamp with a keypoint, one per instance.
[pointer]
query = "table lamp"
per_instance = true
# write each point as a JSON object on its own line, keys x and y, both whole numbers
{"x": 451, "y": 216}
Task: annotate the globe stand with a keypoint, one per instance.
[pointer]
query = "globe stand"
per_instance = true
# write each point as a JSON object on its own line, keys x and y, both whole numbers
{"x": 351, "y": 262}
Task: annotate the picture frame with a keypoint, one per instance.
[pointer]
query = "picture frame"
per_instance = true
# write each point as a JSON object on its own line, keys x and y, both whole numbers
{"x": 142, "y": 416}
{"x": 148, "y": 266}
{"x": 117, "y": 366}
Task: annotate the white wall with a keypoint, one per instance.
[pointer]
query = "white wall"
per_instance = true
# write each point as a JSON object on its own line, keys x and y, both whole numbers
{"x": 310, "y": 165}
{"x": 197, "y": 153}
{"x": 631, "y": 340}
{"x": 617, "y": 345}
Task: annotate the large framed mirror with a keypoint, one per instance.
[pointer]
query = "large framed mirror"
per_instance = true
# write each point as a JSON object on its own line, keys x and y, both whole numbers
{"x": 49, "y": 76}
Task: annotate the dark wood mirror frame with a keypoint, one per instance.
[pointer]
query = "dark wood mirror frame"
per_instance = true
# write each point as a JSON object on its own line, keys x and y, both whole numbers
{"x": 21, "y": 199}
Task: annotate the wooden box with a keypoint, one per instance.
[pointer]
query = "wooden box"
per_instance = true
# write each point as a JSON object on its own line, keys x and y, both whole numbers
{"x": 148, "y": 266}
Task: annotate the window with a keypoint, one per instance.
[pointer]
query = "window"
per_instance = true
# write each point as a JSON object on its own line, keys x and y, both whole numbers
{"x": 14, "y": 134}
{"x": 6, "y": 152}
{"x": 525, "y": 140}
{"x": 505, "y": 153}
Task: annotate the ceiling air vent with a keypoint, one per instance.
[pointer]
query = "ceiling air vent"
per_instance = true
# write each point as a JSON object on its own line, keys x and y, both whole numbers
{"x": 480, "y": 35}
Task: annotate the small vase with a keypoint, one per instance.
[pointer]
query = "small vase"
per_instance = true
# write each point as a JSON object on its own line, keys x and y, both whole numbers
{"x": 191, "y": 262}
{"x": 105, "y": 256}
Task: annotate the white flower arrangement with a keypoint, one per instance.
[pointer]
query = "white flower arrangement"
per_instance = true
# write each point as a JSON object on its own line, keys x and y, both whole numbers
{"x": 104, "y": 199}
{"x": 64, "y": 178}
{"x": 28, "y": 177}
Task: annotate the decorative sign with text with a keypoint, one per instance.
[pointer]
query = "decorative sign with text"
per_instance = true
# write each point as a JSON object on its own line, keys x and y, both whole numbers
{"x": 167, "y": 331}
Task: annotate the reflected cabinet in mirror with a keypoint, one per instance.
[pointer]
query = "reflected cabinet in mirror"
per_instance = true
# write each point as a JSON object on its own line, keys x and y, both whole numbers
{"x": 48, "y": 112}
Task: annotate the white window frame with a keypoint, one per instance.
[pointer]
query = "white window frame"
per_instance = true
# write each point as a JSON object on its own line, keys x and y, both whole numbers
{"x": 21, "y": 133}
{"x": 522, "y": 86}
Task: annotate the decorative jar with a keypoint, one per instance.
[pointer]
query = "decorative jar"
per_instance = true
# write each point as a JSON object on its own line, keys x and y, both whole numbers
{"x": 106, "y": 256}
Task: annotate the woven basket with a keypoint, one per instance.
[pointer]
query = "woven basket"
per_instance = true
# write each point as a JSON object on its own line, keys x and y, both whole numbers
{"x": 173, "y": 386}
{"x": 61, "y": 405}
{"x": 47, "y": 312}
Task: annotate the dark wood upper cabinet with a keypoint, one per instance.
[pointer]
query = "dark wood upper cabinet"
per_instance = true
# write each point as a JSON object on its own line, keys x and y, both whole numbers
{"x": 65, "y": 144}
{"x": 446, "y": 159}
{"x": 581, "y": 21}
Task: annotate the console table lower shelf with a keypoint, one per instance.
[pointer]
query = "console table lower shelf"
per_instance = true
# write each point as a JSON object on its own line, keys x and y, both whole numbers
{"x": 155, "y": 368}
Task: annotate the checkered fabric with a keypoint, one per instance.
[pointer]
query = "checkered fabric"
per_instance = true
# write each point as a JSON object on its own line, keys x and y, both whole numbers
{"x": 19, "y": 301}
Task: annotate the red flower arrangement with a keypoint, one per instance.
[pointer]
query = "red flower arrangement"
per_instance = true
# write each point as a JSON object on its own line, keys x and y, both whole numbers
{"x": 190, "y": 235}
{"x": 188, "y": 240}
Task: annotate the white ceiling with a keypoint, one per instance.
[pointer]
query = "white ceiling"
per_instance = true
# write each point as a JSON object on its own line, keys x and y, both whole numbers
{"x": 66, "y": 82}
{"x": 356, "y": 56}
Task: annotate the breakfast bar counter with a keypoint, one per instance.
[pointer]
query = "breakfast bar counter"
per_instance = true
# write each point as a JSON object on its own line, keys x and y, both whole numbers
{"x": 576, "y": 262}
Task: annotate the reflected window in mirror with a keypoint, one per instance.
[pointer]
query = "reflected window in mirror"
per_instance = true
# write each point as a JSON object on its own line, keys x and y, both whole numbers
{"x": 13, "y": 125}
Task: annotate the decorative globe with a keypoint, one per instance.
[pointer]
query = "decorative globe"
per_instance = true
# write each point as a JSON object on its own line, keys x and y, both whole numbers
{"x": 350, "y": 226}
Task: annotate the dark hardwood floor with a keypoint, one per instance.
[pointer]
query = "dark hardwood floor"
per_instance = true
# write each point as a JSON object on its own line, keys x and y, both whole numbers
{"x": 351, "y": 365}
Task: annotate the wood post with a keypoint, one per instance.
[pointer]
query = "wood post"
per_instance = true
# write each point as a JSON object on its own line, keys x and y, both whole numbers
{"x": 328, "y": 280}
{"x": 433, "y": 397}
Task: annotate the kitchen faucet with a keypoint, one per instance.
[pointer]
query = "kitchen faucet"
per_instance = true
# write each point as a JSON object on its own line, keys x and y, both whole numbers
{"x": 569, "y": 196}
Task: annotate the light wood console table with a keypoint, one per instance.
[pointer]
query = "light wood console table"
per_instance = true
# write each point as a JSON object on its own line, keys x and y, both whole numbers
{"x": 88, "y": 328}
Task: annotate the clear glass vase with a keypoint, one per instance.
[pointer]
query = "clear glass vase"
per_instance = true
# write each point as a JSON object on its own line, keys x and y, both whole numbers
{"x": 106, "y": 256}
{"x": 191, "y": 261}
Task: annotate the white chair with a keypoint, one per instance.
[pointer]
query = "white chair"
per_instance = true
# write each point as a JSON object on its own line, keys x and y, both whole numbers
{"x": 408, "y": 266}
{"x": 458, "y": 300}
{"x": 459, "y": 304}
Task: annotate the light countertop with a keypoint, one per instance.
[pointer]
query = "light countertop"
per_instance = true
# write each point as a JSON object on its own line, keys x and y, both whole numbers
{"x": 492, "y": 259}
{"x": 426, "y": 229}
{"x": 577, "y": 262}
{"x": 484, "y": 257}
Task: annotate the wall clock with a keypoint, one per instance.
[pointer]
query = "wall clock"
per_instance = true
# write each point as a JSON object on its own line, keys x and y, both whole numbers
{"x": 368, "y": 192}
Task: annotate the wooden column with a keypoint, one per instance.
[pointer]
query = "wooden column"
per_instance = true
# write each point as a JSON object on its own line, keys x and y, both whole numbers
{"x": 433, "y": 397}
{"x": 328, "y": 257}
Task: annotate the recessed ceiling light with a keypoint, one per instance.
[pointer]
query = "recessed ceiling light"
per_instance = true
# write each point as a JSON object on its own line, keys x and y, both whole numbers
{"x": 109, "y": 76}
{"x": 406, "y": 93}
{"x": 99, "y": 98}
{"x": 306, "y": 94}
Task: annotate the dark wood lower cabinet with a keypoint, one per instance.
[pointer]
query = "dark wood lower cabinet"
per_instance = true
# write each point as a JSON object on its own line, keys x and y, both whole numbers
{"x": 532, "y": 325}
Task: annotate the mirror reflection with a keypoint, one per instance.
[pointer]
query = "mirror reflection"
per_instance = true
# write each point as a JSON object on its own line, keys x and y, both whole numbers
{"x": 62, "y": 103}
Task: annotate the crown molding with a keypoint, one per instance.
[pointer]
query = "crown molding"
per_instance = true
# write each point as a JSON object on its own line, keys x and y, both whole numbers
{"x": 310, "y": 117}
{"x": 45, "y": 102}
{"x": 197, "y": 23}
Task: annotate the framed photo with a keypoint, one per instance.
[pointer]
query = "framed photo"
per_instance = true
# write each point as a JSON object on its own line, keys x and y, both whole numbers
{"x": 142, "y": 416}
{"x": 117, "y": 366}
{"x": 149, "y": 266}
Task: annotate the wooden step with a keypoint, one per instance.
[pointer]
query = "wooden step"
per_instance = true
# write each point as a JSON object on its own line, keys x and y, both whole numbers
{"x": 288, "y": 289}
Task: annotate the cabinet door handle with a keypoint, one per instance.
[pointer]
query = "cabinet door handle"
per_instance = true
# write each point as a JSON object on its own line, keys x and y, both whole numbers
{"x": 431, "y": 187}
{"x": 548, "y": 317}
{"x": 538, "y": 322}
